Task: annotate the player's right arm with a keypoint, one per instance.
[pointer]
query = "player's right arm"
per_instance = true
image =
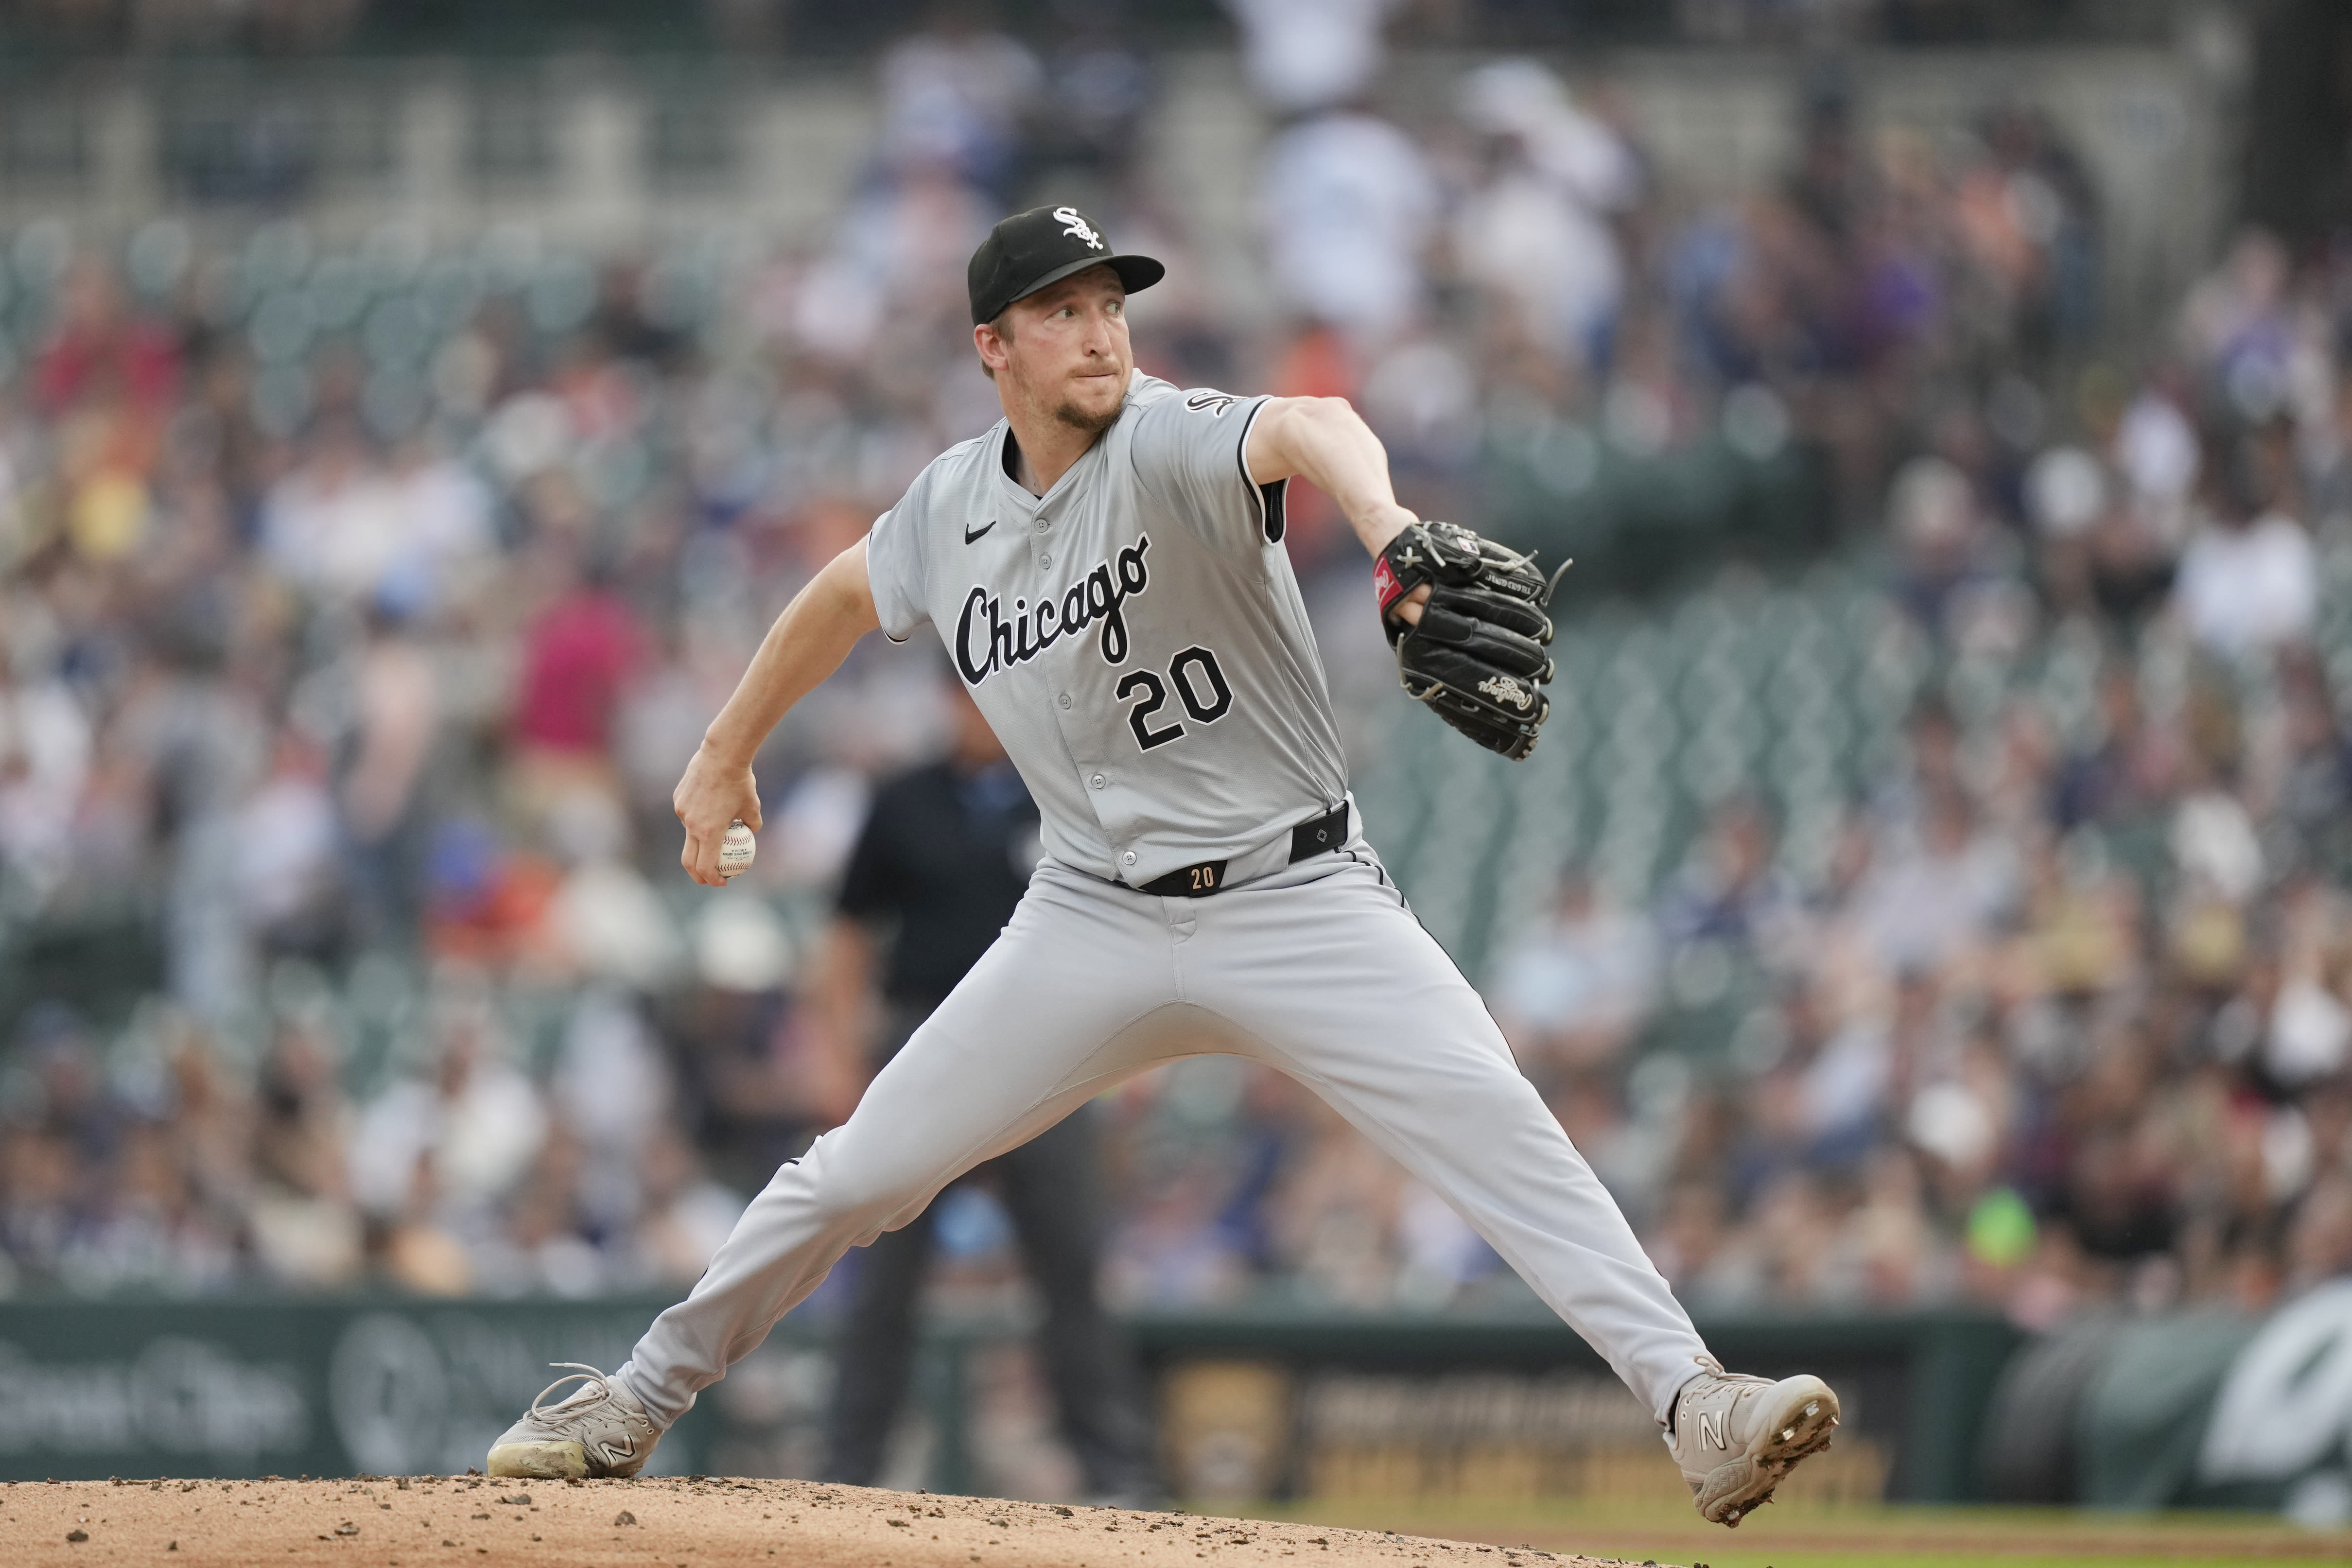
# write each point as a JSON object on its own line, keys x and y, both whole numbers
{"x": 807, "y": 643}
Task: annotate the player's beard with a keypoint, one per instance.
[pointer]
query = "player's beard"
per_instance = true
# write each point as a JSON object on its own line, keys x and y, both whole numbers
{"x": 1077, "y": 418}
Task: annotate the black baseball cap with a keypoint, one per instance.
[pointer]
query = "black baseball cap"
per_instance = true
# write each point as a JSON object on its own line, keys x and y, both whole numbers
{"x": 1042, "y": 246}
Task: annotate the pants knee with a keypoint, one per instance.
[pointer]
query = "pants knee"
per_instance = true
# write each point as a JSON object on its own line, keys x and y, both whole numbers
{"x": 862, "y": 1194}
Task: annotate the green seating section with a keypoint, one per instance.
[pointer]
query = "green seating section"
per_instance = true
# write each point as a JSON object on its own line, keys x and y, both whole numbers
{"x": 1791, "y": 690}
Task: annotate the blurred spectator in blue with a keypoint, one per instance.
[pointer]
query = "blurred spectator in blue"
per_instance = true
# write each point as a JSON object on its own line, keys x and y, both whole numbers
{"x": 72, "y": 1103}
{"x": 1577, "y": 988}
{"x": 954, "y": 96}
{"x": 388, "y": 745}
{"x": 2133, "y": 766}
{"x": 1729, "y": 891}
{"x": 1097, "y": 91}
{"x": 2237, "y": 324}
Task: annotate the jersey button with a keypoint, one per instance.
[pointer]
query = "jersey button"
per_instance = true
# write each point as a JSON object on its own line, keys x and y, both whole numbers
{"x": 1064, "y": 700}
{"x": 1045, "y": 561}
{"x": 1097, "y": 780}
{"x": 1044, "y": 526}
{"x": 1128, "y": 857}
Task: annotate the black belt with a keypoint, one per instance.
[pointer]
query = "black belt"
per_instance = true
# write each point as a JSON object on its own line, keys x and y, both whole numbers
{"x": 1318, "y": 836}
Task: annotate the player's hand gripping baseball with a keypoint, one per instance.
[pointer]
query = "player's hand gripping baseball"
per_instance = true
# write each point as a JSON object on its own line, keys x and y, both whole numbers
{"x": 714, "y": 795}
{"x": 807, "y": 643}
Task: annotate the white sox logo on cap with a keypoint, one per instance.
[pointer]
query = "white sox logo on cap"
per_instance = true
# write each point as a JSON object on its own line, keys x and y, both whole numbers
{"x": 1033, "y": 249}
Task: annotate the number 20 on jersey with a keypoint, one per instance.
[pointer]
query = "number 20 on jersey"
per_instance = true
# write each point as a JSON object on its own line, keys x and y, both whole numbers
{"x": 1200, "y": 686}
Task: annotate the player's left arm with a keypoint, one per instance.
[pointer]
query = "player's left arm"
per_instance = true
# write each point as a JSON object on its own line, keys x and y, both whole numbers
{"x": 1326, "y": 442}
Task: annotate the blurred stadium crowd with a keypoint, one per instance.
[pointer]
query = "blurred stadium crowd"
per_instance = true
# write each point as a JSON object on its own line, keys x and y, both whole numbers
{"x": 359, "y": 605}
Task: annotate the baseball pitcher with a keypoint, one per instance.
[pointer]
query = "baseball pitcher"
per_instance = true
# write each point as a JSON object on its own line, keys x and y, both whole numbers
{"x": 1105, "y": 568}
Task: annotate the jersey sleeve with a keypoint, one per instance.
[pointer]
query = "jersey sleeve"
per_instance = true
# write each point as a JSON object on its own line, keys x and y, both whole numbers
{"x": 895, "y": 567}
{"x": 1188, "y": 455}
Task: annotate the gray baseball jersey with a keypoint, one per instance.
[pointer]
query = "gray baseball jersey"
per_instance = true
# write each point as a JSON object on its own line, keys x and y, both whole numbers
{"x": 1135, "y": 636}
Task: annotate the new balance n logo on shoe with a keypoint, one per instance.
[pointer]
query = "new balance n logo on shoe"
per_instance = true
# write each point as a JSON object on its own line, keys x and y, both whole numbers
{"x": 1710, "y": 1428}
{"x": 614, "y": 1453}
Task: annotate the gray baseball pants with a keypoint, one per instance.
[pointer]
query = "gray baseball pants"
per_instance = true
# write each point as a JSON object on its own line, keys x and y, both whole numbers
{"x": 1317, "y": 969}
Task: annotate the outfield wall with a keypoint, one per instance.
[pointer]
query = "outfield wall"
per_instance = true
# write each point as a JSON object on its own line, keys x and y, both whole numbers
{"x": 1270, "y": 1402}
{"x": 2199, "y": 1409}
{"x": 2184, "y": 1409}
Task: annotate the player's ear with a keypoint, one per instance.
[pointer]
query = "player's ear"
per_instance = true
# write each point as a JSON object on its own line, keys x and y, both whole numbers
{"x": 991, "y": 339}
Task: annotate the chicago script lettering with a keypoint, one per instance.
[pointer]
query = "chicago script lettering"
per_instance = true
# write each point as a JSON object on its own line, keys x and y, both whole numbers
{"x": 988, "y": 641}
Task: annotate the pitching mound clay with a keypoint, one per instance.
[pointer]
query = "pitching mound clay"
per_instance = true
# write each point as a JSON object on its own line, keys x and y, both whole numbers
{"x": 435, "y": 1521}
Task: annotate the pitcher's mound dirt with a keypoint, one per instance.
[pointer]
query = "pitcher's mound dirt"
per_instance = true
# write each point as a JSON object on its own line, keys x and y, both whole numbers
{"x": 435, "y": 1521}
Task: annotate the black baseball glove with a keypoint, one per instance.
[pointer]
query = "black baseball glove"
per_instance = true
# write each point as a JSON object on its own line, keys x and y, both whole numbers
{"x": 1476, "y": 656}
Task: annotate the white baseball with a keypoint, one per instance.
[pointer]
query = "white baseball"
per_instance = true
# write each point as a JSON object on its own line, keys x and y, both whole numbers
{"x": 736, "y": 851}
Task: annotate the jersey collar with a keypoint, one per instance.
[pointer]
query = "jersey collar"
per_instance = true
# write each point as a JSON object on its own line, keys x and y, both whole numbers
{"x": 1000, "y": 447}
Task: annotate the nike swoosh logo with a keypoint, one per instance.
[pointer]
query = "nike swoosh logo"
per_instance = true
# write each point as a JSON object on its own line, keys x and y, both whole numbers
{"x": 970, "y": 534}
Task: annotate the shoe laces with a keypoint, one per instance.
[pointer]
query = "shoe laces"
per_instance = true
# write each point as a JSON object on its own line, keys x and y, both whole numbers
{"x": 592, "y": 1382}
{"x": 1715, "y": 1369}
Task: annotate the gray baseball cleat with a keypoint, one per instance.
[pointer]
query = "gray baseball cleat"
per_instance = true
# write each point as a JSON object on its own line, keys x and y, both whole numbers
{"x": 598, "y": 1429}
{"x": 1736, "y": 1436}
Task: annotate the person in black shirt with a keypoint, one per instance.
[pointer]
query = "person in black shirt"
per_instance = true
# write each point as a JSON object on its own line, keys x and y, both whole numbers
{"x": 944, "y": 857}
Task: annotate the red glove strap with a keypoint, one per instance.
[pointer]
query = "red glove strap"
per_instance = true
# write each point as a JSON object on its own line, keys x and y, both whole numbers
{"x": 1385, "y": 586}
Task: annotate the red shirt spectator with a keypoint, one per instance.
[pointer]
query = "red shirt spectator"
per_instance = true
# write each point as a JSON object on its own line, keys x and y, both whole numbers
{"x": 579, "y": 656}
{"x": 98, "y": 349}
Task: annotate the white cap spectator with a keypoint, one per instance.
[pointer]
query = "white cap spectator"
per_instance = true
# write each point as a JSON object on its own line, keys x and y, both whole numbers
{"x": 740, "y": 945}
{"x": 1537, "y": 229}
{"x": 466, "y": 1137}
{"x": 1307, "y": 55}
{"x": 2249, "y": 586}
{"x": 2066, "y": 493}
{"x": 1347, "y": 203}
{"x": 2155, "y": 448}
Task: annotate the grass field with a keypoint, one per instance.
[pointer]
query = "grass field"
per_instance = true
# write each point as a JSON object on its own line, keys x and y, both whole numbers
{"x": 1813, "y": 1535}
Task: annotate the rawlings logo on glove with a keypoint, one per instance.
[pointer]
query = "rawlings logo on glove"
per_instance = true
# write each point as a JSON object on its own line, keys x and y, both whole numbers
{"x": 1503, "y": 689}
{"x": 1476, "y": 655}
